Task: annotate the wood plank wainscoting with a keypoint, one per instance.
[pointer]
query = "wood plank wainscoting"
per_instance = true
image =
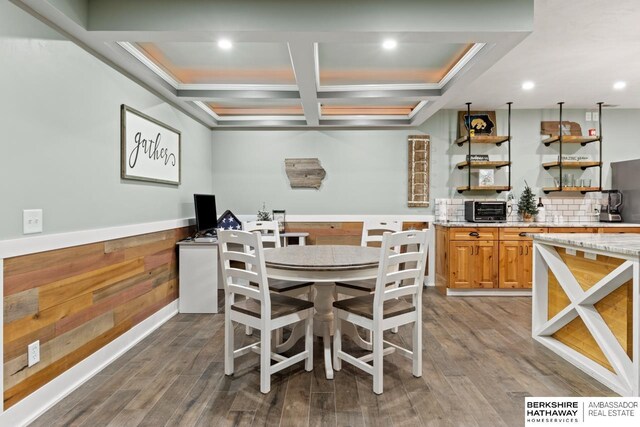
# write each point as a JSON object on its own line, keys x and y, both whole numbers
{"x": 340, "y": 233}
{"x": 78, "y": 299}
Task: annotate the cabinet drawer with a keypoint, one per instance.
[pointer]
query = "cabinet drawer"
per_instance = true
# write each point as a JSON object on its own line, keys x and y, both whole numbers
{"x": 573, "y": 230}
{"x": 619, "y": 230}
{"x": 517, "y": 233}
{"x": 473, "y": 233}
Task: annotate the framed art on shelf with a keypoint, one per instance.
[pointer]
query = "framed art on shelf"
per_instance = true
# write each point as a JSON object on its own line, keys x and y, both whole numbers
{"x": 149, "y": 149}
{"x": 280, "y": 216}
{"x": 483, "y": 123}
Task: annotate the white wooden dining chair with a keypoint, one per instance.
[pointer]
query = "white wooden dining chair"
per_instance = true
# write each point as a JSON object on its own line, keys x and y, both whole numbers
{"x": 261, "y": 309}
{"x": 371, "y": 235}
{"x": 270, "y": 234}
{"x": 387, "y": 307}
{"x": 372, "y": 232}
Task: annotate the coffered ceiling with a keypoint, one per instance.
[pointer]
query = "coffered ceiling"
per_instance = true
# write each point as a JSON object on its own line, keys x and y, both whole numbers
{"x": 294, "y": 63}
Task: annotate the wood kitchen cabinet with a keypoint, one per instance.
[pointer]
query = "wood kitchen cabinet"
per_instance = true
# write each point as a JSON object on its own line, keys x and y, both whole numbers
{"x": 516, "y": 261}
{"x": 473, "y": 264}
{"x": 477, "y": 258}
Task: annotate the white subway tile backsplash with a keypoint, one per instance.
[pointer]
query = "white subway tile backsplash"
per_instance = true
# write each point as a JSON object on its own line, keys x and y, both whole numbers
{"x": 570, "y": 209}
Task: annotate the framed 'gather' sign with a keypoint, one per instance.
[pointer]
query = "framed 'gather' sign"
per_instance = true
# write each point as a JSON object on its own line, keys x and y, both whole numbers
{"x": 150, "y": 150}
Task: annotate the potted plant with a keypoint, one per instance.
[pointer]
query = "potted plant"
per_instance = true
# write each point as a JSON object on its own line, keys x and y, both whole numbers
{"x": 527, "y": 204}
{"x": 263, "y": 214}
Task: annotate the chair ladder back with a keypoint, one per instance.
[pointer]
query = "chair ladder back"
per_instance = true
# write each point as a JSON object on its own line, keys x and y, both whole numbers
{"x": 248, "y": 266}
{"x": 395, "y": 266}
{"x": 271, "y": 231}
{"x": 370, "y": 226}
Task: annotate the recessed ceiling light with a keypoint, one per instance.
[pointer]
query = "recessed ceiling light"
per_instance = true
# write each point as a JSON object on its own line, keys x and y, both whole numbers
{"x": 389, "y": 44}
{"x": 528, "y": 85}
{"x": 619, "y": 85}
{"x": 225, "y": 44}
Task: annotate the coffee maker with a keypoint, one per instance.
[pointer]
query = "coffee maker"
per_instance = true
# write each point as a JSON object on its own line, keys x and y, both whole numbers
{"x": 610, "y": 212}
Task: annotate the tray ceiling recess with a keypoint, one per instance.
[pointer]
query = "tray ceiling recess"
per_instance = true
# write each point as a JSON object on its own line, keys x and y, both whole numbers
{"x": 257, "y": 64}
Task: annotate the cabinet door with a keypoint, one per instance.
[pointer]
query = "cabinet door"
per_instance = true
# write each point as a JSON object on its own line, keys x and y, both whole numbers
{"x": 485, "y": 264}
{"x": 460, "y": 264}
{"x": 511, "y": 264}
{"x": 526, "y": 277}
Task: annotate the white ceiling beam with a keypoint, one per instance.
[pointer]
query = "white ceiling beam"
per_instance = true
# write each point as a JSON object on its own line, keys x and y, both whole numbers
{"x": 209, "y": 95}
{"x": 303, "y": 62}
{"x": 373, "y": 95}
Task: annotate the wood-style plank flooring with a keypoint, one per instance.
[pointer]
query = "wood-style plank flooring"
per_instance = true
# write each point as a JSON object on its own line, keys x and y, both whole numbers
{"x": 479, "y": 364}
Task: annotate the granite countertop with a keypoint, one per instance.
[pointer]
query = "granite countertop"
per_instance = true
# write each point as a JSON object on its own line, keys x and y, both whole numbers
{"x": 533, "y": 224}
{"x": 624, "y": 244}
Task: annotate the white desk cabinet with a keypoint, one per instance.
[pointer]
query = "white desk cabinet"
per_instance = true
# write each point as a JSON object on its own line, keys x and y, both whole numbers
{"x": 200, "y": 276}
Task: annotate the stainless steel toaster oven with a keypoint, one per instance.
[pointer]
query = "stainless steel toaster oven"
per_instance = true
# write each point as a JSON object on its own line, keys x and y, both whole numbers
{"x": 485, "y": 211}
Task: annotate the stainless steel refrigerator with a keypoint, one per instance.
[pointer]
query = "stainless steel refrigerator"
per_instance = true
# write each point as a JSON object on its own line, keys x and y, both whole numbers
{"x": 626, "y": 178}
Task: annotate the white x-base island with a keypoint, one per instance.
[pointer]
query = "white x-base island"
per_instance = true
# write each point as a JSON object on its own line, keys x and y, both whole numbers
{"x": 586, "y": 292}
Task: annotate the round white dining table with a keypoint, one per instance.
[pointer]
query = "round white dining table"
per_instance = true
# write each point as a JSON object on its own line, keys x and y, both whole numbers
{"x": 323, "y": 265}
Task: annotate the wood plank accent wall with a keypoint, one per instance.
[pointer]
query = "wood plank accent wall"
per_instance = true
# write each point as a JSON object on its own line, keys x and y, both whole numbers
{"x": 78, "y": 299}
{"x": 338, "y": 233}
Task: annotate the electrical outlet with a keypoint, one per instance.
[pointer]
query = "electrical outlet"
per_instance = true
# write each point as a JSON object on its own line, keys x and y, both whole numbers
{"x": 571, "y": 252}
{"x": 32, "y": 221}
{"x": 587, "y": 116}
{"x": 594, "y": 116}
{"x": 590, "y": 255}
{"x": 33, "y": 352}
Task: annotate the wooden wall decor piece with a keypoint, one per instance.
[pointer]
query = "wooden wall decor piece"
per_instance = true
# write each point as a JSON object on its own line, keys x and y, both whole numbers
{"x": 482, "y": 123}
{"x": 419, "y": 157}
{"x": 551, "y": 128}
{"x": 304, "y": 173}
{"x": 76, "y": 300}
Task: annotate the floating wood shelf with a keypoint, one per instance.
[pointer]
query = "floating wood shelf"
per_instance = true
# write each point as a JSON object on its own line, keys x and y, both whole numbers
{"x": 497, "y": 188}
{"x": 566, "y": 189}
{"x": 482, "y": 139}
{"x": 484, "y": 164}
{"x": 571, "y": 165}
{"x": 571, "y": 139}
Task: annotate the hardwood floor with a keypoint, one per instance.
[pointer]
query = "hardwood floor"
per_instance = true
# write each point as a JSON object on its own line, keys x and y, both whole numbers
{"x": 479, "y": 364}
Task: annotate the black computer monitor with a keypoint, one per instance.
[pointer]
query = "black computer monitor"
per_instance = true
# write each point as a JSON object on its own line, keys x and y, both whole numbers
{"x": 206, "y": 215}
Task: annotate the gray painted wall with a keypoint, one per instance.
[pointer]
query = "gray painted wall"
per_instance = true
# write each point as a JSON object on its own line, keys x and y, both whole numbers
{"x": 367, "y": 169}
{"x": 60, "y": 110}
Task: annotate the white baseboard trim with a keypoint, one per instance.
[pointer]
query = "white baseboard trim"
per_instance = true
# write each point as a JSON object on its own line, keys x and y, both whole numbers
{"x": 49, "y": 242}
{"x": 34, "y": 405}
{"x": 488, "y": 292}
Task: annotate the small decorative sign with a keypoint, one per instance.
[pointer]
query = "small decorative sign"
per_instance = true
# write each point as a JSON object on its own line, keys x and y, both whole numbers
{"x": 575, "y": 158}
{"x": 150, "y": 150}
{"x": 551, "y": 128}
{"x": 478, "y": 158}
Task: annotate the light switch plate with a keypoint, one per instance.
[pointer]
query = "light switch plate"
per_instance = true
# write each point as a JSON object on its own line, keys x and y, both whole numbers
{"x": 32, "y": 221}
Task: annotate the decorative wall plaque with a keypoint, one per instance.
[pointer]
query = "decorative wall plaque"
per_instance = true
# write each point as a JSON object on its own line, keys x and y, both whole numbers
{"x": 419, "y": 155}
{"x": 568, "y": 128}
{"x": 304, "y": 173}
{"x": 482, "y": 123}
